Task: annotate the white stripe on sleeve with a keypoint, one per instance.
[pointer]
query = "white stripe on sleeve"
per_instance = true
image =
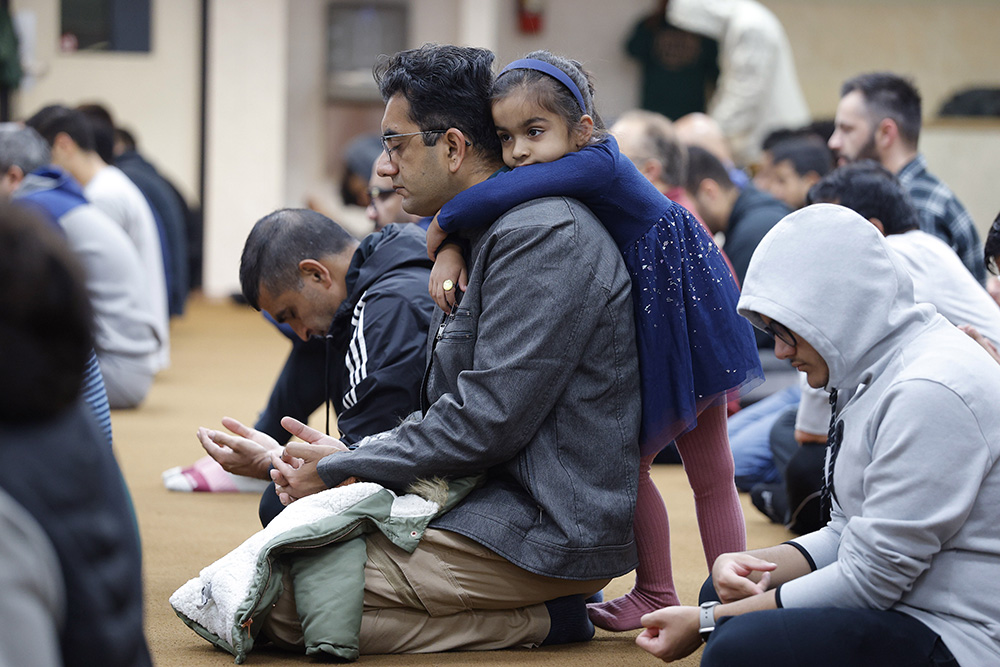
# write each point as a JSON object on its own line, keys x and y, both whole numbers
{"x": 357, "y": 354}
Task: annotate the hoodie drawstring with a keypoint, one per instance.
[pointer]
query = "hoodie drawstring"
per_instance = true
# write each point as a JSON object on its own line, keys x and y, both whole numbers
{"x": 833, "y": 440}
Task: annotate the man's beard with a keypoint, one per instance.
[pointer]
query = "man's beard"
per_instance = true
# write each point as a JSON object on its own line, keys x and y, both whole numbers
{"x": 867, "y": 152}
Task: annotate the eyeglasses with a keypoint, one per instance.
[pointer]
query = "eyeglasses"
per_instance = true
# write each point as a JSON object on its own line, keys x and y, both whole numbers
{"x": 380, "y": 194}
{"x": 781, "y": 332}
{"x": 386, "y": 138}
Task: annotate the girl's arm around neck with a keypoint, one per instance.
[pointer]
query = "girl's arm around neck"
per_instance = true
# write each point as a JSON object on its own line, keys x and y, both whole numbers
{"x": 582, "y": 175}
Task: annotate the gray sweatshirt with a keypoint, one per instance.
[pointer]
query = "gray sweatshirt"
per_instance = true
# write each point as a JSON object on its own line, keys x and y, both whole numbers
{"x": 33, "y": 604}
{"x": 914, "y": 525}
{"x": 126, "y": 322}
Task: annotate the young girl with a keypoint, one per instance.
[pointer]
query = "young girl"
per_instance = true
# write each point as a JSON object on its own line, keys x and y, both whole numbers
{"x": 694, "y": 350}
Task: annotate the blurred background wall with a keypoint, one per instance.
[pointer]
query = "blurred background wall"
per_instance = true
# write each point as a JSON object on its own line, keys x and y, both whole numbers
{"x": 276, "y": 125}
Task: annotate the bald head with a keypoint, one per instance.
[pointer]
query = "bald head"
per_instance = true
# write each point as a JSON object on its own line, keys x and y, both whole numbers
{"x": 698, "y": 129}
{"x": 648, "y": 139}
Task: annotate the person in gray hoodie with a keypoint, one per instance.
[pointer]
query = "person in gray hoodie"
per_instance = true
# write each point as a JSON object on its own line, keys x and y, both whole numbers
{"x": 904, "y": 573}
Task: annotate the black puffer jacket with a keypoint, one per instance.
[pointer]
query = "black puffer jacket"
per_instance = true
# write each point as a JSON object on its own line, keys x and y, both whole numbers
{"x": 64, "y": 474}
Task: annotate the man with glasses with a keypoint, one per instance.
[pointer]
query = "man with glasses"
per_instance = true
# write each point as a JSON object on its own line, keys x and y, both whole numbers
{"x": 798, "y": 438}
{"x": 532, "y": 382}
{"x": 905, "y": 571}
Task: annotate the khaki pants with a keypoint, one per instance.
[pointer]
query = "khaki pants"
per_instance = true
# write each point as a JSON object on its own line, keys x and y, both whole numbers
{"x": 450, "y": 593}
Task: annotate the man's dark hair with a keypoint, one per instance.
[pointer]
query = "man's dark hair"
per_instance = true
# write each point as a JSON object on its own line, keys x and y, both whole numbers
{"x": 22, "y": 147}
{"x": 45, "y": 319}
{"x": 775, "y": 137}
{"x": 446, "y": 86}
{"x": 104, "y": 130}
{"x": 872, "y": 191}
{"x": 55, "y": 119}
{"x": 888, "y": 95}
{"x": 822, "y": 128}
{"x": 276, "y": 245}
{"x": 992, "y": 245}
{"x": 359, "y": 156}
{"x": 807, "y": 153}
{"x": 126, "y": 139}
{"x": 702, "y": 165}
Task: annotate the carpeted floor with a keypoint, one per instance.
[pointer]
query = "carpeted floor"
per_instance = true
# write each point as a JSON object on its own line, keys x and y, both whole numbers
{"x": 224, "y": 359}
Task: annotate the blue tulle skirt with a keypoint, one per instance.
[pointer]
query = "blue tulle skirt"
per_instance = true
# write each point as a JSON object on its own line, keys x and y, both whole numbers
{"x": 695, "y": 350}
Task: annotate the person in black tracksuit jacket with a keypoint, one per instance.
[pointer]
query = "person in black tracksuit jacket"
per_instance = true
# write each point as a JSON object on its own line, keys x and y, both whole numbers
{"x": 371, "y": 361}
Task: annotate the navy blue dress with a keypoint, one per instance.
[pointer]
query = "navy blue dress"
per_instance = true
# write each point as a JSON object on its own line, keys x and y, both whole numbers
{"x": 694, "y": 349}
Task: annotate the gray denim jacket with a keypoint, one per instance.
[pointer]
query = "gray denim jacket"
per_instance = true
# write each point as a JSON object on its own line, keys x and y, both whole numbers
{"x": 533, "y": 379}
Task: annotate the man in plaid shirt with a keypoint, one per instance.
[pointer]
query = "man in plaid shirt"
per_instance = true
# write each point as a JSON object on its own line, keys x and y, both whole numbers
{"x": 878, "y": 118}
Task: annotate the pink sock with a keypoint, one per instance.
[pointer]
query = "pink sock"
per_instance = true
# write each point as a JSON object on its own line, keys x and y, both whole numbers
{"x": 205, "y": 475}
{"x": 654, "y": 582}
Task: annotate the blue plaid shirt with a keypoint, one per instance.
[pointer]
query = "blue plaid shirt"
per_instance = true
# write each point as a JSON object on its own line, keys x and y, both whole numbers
{"x": 942, "y": 215}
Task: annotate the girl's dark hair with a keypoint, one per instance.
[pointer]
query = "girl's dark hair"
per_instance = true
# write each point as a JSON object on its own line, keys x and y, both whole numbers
{"x": 551, "y": 94}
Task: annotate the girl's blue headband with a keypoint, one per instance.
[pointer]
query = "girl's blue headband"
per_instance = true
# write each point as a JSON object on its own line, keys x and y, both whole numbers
{"x": 551, "y": 70}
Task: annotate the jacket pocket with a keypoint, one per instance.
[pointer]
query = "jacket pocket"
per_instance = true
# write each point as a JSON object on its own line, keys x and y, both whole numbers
{"x": 458, "y": 326}
{"x": 453, "y": 352}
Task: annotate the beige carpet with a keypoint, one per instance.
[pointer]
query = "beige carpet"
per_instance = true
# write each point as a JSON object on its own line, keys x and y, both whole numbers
{"x": 224, "y": 359}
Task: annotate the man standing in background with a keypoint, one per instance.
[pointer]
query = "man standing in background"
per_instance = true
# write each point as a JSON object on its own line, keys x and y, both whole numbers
{"x": 679, "y": 68}
{"x": 758, "y": 89}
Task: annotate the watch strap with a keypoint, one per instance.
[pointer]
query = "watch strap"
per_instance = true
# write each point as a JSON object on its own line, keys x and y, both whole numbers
{"x": 706, "y": 618}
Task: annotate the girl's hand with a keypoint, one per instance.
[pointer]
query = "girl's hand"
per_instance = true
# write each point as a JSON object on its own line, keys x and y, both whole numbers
{"x": 435, "y": 237}
{"x": 448, "y": 272}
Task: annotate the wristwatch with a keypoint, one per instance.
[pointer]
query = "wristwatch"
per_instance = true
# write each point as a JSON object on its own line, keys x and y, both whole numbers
{"x": 706, "y": 618}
